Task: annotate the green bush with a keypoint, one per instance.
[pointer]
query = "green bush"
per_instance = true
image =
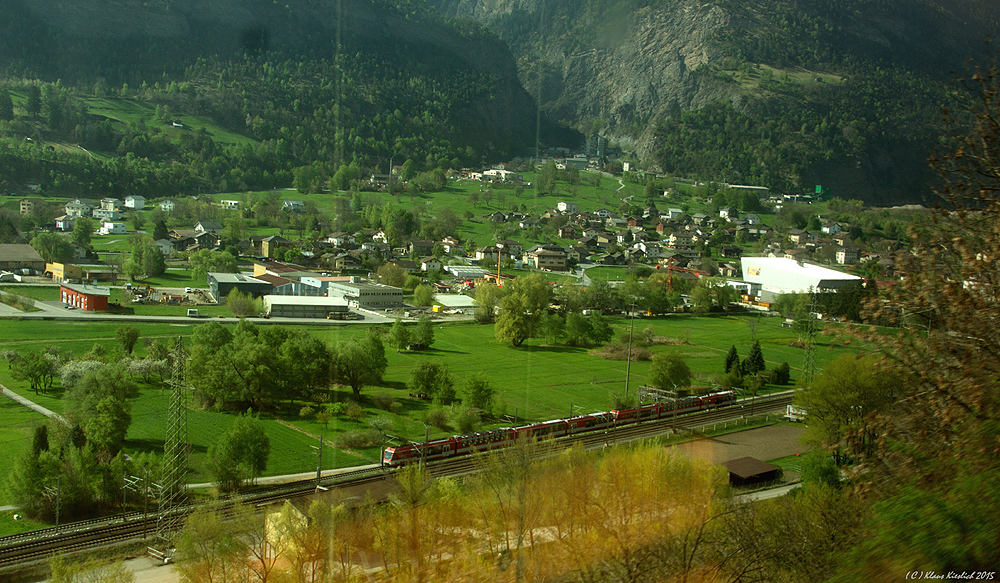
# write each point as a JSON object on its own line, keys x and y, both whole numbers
{"x": 359, "y": 438}
{"x": 468, "y": 420}
{"x": 438, "y": 418}
{"x": 383, "y": 401}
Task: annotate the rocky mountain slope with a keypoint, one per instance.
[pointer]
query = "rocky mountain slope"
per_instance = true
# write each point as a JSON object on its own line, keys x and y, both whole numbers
{"x": 623, "y": 67}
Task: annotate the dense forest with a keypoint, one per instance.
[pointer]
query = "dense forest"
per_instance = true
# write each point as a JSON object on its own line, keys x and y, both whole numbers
{"x": 319, "y": 100}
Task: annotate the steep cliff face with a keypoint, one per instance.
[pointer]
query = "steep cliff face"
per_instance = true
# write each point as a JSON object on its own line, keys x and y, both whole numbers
{"x": 621, "y": 68}
{"x": 640, "y": 68}
{"x": 605, "y": 70}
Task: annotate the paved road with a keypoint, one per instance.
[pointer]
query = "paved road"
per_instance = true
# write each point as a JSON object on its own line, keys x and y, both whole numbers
{"x": 768, "y": 494}
{"x": 32, "y": 405}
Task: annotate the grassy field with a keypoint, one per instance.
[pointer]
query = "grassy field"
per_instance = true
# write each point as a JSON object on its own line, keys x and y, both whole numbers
{"x": 105, "y": 243}
{"x": 609, "y": 273}
{"x": 40, "y": 293}
{"x": 129, "y": 111}
{"x": 177, "y": 277}
{"x": 535, "y": 381}
{"x": 17, "y": 425}
{"x": 291, "y": 450}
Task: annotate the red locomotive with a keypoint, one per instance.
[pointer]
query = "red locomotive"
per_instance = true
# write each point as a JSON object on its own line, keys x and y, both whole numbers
{"x": 464, "y": 444}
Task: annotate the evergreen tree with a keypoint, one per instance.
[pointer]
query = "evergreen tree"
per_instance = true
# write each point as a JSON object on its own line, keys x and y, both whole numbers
{"x": 732, "y": 359}
{"x": 755, "y": 360}
{"x": 40, "y": 441}
{"x": 6, "y": 106}
{"x": 34, "y": 105}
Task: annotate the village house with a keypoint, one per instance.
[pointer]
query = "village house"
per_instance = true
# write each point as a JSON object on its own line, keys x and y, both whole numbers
{"x": 421, "y": 247}
{"x": 79, "y": 208}
{"x": 135, "y": 201}
{"x": 830, "y": 228}
{"x": 489, "y": 253}
{"x": 65, "y": 222}
{"x": 213, "y": 227}
{"x": 847, "y": 256}
{"x": 550, "y": 259}
{"x": 28, "y": 205}
{"x": 340, "y": 239}
{"x": 429, "y": 264}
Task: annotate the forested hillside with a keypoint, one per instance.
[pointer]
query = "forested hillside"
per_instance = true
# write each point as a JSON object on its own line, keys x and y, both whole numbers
{"x": 310, "y": 85}
{"x": 783, "y": 93}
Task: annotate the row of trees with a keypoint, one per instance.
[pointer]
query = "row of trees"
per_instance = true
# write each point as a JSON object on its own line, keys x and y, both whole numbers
{"x": 636, "y": 515}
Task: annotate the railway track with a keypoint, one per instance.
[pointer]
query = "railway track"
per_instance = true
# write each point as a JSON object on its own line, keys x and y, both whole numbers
{"x": 39, "y": 545}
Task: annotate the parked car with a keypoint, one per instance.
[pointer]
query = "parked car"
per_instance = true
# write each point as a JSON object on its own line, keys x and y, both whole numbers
{"x": 188, "y": 290}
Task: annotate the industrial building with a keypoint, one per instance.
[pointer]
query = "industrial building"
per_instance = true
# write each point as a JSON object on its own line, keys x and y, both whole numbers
{"x": 86, "y": 297}
{"x": 301, "y": 306}
{"x": 369, "y": 296}
{"x": 783, "y": 275}
{"x": 19, "y": 256}
{"x": 63, "y": 272}
{"x": 221, "y": 284}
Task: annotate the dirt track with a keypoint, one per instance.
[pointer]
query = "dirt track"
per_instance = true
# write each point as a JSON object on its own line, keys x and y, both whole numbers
{"x": 765, "y": 443}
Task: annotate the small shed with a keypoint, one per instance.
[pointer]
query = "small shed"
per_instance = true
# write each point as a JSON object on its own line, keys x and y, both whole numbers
{"x": 746, "y": 471}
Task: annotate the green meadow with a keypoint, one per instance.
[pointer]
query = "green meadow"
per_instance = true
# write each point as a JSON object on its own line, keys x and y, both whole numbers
{"x": 131, "y": 111}
{"x": 535, "y": 381}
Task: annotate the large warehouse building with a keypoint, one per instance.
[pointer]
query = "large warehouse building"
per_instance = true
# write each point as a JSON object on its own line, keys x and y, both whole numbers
{"x": 369, "y": 296}
{"x": 302, "y": 306}
{"x": 220, "y": 284}
{"x": 778, "y": 274}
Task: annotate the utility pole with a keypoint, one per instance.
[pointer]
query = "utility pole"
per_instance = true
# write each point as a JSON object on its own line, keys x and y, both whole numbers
{"x": 628, "y": 362}
{"x": 58, "y": 494}
{"x": 319, "y": 458}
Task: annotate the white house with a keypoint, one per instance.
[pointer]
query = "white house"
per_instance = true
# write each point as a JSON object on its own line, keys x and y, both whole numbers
{"x": 500, "y": 174}
{"x": 566, "y": 207}
{"x": 340, "y": 238}
{"x": 727, "y": 213}
{"x": 166, "y": 247}
{"x": 213, "y": 227}
{"x": 167, "y": 206}
{"x": 429, "y": 264}
{"x": 752, "y": 219}
{"x": 293, "y": 205}
{"x": 113, "y": 228}
{"x": 230, "y": 205}
{"x": 831, "y": 228}
{"x": 65, "y": 222}
{"x": 135, "y": 201}
{"x": 78, "y": 208}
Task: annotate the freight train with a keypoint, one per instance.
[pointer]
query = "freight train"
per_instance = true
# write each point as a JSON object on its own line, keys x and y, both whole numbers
{"x": 457, "y": 445}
